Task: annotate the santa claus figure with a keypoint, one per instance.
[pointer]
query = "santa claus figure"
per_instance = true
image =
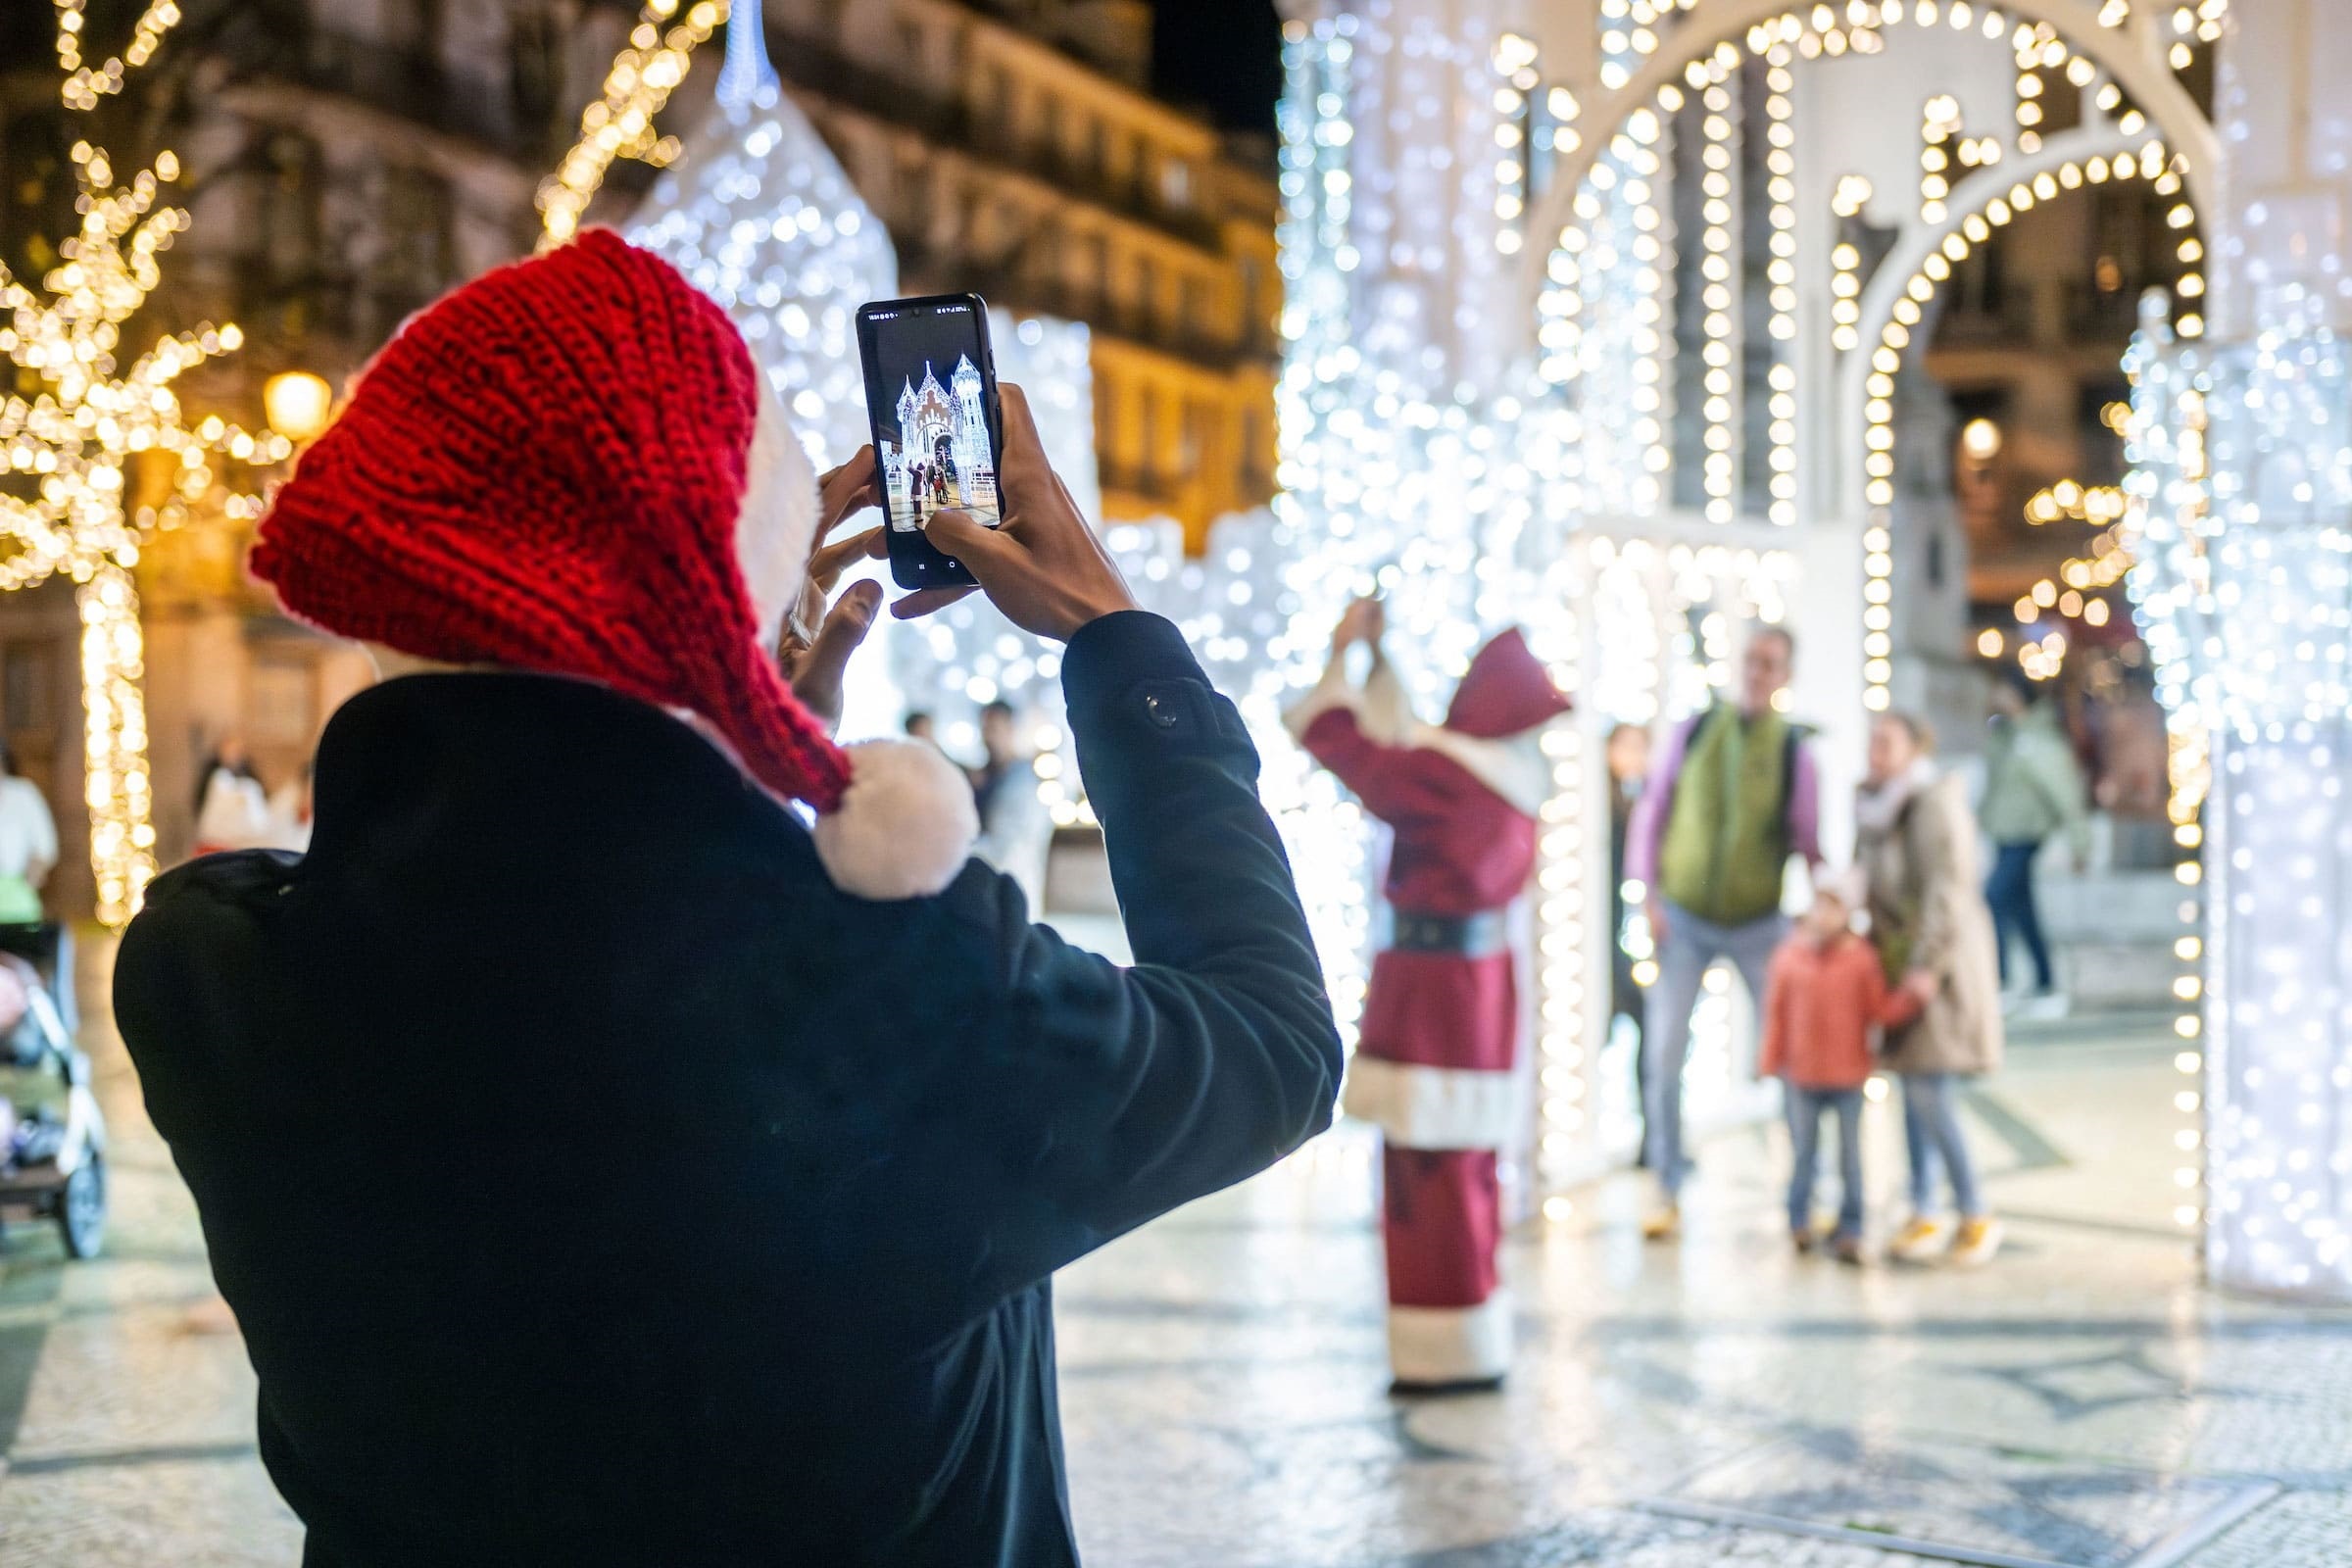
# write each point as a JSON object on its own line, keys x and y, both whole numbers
{"x": 1434, "y": 1064}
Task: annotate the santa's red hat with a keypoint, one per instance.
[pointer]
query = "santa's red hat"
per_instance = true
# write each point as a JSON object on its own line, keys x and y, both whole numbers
{"x": 571, "y": 464}
{"x": 1505, "y": 692}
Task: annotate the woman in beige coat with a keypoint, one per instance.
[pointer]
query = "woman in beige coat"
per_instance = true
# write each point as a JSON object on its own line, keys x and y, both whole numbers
{"x": 1918, "y": 848}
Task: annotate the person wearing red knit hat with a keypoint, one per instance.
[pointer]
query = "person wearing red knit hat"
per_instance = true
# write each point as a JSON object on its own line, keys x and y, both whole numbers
{"x": 1439, "y": 1039}
{"x": 753, "y": 1118}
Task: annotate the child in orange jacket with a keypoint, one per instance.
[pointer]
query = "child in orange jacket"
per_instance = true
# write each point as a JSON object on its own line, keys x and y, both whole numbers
{"x": 1827, "y": 999}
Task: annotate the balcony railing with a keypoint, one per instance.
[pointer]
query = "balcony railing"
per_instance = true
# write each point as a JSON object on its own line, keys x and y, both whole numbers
{"x": 818, "y": 67}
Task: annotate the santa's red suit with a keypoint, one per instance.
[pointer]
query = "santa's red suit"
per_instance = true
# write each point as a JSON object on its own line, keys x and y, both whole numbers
{"x": 1434, "y": 1064}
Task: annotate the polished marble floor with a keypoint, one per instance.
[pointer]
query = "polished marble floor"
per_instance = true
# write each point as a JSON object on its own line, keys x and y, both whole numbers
{"x": 2082, "y": 1403}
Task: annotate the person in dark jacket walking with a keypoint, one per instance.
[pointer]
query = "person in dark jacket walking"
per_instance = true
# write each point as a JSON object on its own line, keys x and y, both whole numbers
{"x": 605, "y": 1166}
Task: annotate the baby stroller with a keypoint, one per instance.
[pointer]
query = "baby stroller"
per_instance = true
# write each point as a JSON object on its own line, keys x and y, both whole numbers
{"x": 52, "y": 1135}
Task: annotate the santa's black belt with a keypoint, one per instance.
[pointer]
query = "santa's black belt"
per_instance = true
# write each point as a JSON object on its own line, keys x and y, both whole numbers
{"x": 1461, "y": 936}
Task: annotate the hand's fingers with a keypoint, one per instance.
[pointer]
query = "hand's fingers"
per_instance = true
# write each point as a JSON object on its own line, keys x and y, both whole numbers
{"x": 831, "y": 560}
{"x": 847, "y": 491}
{"x": 925, "y": 601}
{"x": 844, "y": 627}
{"x": 1024, "y": 448}
{"x": 961, "y": 535}
{"x": 817, "y": 674}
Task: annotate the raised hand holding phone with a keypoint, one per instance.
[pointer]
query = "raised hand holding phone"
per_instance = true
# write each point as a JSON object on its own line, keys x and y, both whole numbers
{"x": 1044, "y": 569}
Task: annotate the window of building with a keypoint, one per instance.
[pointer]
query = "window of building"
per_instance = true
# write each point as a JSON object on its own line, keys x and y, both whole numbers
{"x": 1194, "y": 439}
{"x": 1176, "y": 183}
{"x": 1106, "y": 423}
{"x": 1151, "y": 455}
{"x": 1147, "y": 294}
{"x": 27, "y": 682}
{"x": 1096, "y": 260}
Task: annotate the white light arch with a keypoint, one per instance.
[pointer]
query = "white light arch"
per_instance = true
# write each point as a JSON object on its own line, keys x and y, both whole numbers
{"x": 1971, "y": 199}
{"x": 2121, "y": 53}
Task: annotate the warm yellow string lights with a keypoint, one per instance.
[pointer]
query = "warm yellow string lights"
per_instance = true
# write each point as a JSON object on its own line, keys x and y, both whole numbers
{"x": 1847, "y": 204}
{"x": 84, "y": 84}
{"x": 1939, "y": 122}
{"x": 621, "y": 123}
{"x": 1721, "y": 351}
{"x": 83, "y": 436}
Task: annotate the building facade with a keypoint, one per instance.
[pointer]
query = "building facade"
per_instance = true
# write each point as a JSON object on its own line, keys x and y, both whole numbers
{"x": 348, "y": 161}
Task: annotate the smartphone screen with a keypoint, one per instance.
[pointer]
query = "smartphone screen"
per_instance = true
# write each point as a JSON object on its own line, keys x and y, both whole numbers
{"x": 931, "y": 393}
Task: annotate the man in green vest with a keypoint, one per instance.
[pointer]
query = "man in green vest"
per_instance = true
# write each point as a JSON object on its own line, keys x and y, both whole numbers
{"x": 1734, "y": 794}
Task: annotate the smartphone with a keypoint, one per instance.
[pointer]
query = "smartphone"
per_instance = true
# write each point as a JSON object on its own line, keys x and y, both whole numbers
{"x": 939, "y": 429}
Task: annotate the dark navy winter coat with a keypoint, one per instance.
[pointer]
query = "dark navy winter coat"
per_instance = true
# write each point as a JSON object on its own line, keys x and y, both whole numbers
{"x": 595, "y": 1184}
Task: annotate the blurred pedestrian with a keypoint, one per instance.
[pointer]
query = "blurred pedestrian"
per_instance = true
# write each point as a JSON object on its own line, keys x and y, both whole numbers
{"x": 2032, "y": 791}
{"x": 1827, "y": 1002}
{"x": 28, "y": 855}
{"x": 1435, "y": 1067}
{"x": 1628, "y": 771}
{"x": 27, "y": 845}
{"x": 1733, "y": 796}
{"x": 1016, "y": 831}
{"x": 1918, "y": 850}
{"x": 232, "y": 804}
{"x": 290, "y": 814}
{"x": 919, "y": 725}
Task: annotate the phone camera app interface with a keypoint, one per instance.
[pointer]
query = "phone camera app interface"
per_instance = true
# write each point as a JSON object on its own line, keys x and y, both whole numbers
{"x": 930, "y": 416}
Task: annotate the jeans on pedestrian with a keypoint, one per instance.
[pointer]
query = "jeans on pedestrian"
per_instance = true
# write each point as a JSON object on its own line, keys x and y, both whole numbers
{"x": 2016, "y": 916}
{"x": 1805, "y": 1108}
{"x": 1931, "y": 1129}
{"x": 1689, "y": 948}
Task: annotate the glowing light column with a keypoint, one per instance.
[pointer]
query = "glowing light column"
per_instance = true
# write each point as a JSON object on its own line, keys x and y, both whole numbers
{"x": 2241, "y": 518}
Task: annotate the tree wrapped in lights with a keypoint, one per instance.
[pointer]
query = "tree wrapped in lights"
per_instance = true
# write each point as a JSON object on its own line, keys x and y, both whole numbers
{"x": 621, "y": 123}
{"x": 82, "y": 441}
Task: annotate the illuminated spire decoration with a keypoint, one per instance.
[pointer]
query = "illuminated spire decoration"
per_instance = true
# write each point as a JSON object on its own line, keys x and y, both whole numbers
{"x": 91, "y": 433}
{"x": 757, "y": 211}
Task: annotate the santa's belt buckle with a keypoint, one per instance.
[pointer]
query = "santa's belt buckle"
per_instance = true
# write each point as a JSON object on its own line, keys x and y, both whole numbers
{"x": 1461, "y": 936}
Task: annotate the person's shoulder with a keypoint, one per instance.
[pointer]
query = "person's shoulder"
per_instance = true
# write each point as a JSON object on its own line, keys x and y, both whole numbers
{"x": 212, "y": 887}
{"x": 236, "y": 879}
{"x": 196, "y": 934}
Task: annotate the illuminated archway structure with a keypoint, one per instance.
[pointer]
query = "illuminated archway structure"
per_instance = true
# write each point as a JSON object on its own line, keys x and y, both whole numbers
{"x": 1580, "y": 335}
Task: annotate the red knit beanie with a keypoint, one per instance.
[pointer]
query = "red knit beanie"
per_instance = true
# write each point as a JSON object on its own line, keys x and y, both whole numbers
{"x": 566, "y": 466}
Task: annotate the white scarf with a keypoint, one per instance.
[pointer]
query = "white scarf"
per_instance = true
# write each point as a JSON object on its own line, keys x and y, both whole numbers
{"x": 1878, "y": 807}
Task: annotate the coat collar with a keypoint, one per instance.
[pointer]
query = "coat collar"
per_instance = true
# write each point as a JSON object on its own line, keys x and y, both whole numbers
{"x": 503, "y": 765}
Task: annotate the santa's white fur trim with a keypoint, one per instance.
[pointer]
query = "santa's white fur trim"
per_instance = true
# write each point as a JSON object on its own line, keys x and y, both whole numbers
{"x": 1513, "y": 767}
{"x": 906, "y": 826}
{"x": 777, "y": 519}
{"x": 1435, "y": 1108}
{"x": 1452, "y": 1345}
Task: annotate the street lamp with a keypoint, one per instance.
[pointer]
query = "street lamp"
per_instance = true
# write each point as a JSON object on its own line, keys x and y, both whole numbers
{"x": 298, "y": 403}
